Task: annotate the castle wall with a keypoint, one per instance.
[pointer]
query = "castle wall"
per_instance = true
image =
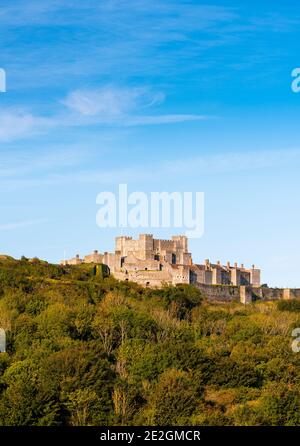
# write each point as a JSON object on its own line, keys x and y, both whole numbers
{"x": 221, "y": 293}
{"x": 181, "y": 274}
{"x": 113, "y": 261}
{"x": 279, "y": 293}
{"x": 132, "y": 264}
{"x": 216, "y": 276}
{"x": 95, "y": 257}
{"x": 245, "y": 278}
{"x": 235, "y": 276}
{"x": 255, "y": 276}
{"x": 220, "y": 275}
{"x": 200, "y": 274}
{"x": 153, "y": 279}
{"x": 164, "y": 245}
{"x": 246, "y": 295}
{"x": 154, "y": 262}
{"x": 291, "y": 293}
{"x": 75, "y": 261}
{"x": 271, "y": 293}
{"x": 181, "y": 242}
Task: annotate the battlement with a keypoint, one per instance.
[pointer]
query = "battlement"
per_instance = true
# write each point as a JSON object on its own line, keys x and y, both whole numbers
{"x": 166, "y": 257}
{"x": 154, "y": 262}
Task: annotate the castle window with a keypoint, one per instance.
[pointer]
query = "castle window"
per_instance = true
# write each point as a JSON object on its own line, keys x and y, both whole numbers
{"x": 173, "y": 259}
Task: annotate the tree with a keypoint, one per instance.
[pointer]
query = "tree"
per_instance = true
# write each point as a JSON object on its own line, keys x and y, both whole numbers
{"x": 82, "y": 405}
{"x": 174, "y": 398}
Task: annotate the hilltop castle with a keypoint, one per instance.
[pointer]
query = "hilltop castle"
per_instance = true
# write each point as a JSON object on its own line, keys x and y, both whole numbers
{"x": 154, "y": 262}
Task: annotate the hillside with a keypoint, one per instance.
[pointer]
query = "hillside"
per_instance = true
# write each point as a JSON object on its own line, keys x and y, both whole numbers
{"x": 84, "y": 349}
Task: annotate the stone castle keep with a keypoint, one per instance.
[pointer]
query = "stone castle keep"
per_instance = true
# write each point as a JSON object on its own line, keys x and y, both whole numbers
{"x": 153, "y": 263}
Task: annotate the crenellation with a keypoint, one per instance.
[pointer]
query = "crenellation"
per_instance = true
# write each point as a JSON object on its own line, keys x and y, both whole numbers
{"x": 154, "y": 263}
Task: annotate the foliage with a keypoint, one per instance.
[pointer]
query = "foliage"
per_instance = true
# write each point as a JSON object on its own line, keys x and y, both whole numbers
{"x": 85, "y": 349}
{"x": 288, "y": 305}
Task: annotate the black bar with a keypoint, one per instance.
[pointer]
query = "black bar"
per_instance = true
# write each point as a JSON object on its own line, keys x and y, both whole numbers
{"x": 138, "y": 435}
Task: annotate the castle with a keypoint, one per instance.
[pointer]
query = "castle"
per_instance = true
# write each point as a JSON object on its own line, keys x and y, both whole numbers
{"x": 154, "y": 262}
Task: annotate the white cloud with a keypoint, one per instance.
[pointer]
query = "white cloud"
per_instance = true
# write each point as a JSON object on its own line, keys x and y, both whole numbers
{"x": 110, "y": 103}
{"x": 120, "y": 106}
{"x": 163, "y": 119}
{"x": 106, "y": 106}
{"x": 20, "y": 224}
{"x": 107, "y": 103}
{"x": 18, "y": 124}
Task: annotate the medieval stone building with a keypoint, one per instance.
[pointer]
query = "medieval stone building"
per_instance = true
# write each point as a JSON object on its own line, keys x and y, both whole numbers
{"x": 154, "y": 262}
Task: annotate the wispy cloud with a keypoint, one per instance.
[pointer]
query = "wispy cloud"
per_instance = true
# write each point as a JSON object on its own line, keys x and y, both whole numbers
{"x": 121, "y": 106}
{"x": 16, "y": 123}
{"x": 111, "y": 102}
{"x": 107, "y": 43}
{"x": 109, "y": 105}
{"x": 43, "y": 160}
{"x": 20, "y": 224}
{"x": 233, "y": 162}
{"x": 188, "y": 168}
{"x": 163, "y": 119}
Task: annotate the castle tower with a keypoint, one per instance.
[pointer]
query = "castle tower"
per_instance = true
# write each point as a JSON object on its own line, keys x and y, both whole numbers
{"x": 181, "y": 250}
{"x": 180, "y": 242}
{"x": 120, "y": 243}
{"x": 146, "y": 246}
{"x": 255, "y": 276}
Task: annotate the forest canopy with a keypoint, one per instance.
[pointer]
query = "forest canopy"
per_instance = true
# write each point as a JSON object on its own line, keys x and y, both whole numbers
{"x": 85, "y": 349}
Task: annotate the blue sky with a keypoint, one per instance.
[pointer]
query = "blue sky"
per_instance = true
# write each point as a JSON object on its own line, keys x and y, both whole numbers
{"x": 169, "y": 95}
